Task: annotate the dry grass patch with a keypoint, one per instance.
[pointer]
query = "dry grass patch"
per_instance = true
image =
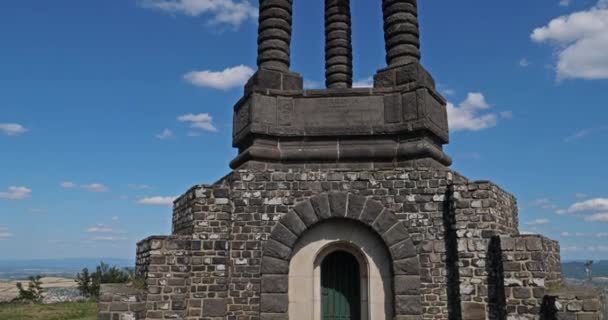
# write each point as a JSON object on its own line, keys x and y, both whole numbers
{"x": 58, "y": 311}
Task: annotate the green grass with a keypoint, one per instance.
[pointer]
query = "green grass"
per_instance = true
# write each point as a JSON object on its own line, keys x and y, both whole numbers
{"x": 58, "y": 311}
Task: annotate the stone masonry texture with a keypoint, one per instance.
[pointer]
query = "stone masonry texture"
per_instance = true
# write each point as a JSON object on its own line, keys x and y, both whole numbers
{"x": 457, "y": 240}
{"x": 370, "y": 157}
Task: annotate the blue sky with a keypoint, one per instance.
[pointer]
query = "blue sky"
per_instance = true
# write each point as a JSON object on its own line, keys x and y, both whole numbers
{"x": 109, "y": 109}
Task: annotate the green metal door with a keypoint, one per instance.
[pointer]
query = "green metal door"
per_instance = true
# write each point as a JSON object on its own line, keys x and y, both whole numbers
{"x": 340, "y": 287}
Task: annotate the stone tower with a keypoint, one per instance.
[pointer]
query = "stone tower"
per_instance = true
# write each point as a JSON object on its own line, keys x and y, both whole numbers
{"x": 341, "y": 204}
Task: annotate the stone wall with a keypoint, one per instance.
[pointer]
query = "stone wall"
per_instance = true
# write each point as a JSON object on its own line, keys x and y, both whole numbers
{"x": 575, "y": 304}
{"x": 165, "y": 264}
{"x": 121, "y": 302}
{"x": 479, "y": 211}
{"x": 211, "y": 267}
{"x": 530, "y": 267}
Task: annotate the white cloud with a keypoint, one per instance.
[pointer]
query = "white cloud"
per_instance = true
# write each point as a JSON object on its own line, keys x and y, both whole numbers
{"x": 598, "y": 248}
{"x": 602, "y": 235}
{"x": 543, "y": 203}
{"x": 467, "y": 115}
{"x": 12, "y": 129}
{"x": 597, "y": 217}
{"x": 4, "y": 233}
{"x": 95, "y": 187}
{"x": 364, "y": 83}
{"x": 109, "y": 238}
{"x": 157, "y": 201}
{"x": 202, "y": 121}
{"x": 597, "y": 204}
{"x": 166, "y": 134}
{"x": 224, "y": 80}
{"x": 100, "y": 229}
{"x": 68, "y": 184}
{"x": 580, "y": 195}
{"x": 570, "y": 249}
{"x": 230, "y": 12}
{"x": 16, "y": 193}
{"x": 115, "y": 218}
{"x": 139, "y": 186}
{"x": 585, "y": 133}
{"x": 538, "y": 222}
{"x": 581, "y": 41}
{"x": 524, "y": 63}
{"x": 565, "y": 3}
{"x": 572, "y": 234}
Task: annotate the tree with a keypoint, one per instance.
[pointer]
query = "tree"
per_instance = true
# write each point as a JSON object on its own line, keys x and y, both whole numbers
{"x": 85, "y": 285}
{"x": 34, "y": 291}
{"x": 90, "y": 283}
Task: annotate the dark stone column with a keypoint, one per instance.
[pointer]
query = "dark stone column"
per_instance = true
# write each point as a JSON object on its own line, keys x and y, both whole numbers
{"x": 274, "y": 34}
{"x": 338, "y": 44}
{"x": 401, "y": 32}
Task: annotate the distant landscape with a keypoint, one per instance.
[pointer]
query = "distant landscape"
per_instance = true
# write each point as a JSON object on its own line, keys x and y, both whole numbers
{"x": 22, "y": 269}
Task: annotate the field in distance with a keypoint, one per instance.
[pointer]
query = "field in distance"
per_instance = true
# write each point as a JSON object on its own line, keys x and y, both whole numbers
{"x": 8, "y": 289}
{"x": 57, "y": 311}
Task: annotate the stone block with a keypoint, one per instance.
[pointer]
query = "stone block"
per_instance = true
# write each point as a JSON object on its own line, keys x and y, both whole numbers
{"x": 214, "y": 307}
{"x": 395, "y": 234}
{"x": 407, "y": 285}
{"x": 274, "y": 303}
{"x": 275, "y": 283}
{"x": 371, "y": 211}
{"x": 587, "y": 316}
{"x": 321, "y": 205}
{"x": 385, "y": 221}
{"x": 306, "y": 212}
{"x": 284, "y": 235}
{"x": 591, "y": 305}
{"x": 473, "y": 311}
{"x": 534, "y": 244}
{"x": 276, "y": 249}
{"x": 293, "y": 222}
{"x": 409, "y": 266}
{"x": 408, "y": 305}
{"x": 274, "y": 316}
{"x": 404, "y": 249}
{"x": 337, "y": 204}
{"x": 522, "y": 293}
{"x": 272, "y": 265}
{"x": 355, "y": 206}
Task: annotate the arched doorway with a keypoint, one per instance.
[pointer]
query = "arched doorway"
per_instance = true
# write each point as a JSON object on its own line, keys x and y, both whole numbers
{"x": 340, "y": 287}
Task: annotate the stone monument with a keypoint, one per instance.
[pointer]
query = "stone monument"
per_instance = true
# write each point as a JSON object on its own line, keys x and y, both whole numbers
{"x": 341, "y": 205}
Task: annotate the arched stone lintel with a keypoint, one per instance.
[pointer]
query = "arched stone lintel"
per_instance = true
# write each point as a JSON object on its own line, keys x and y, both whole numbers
{"x": 278, "y": 249}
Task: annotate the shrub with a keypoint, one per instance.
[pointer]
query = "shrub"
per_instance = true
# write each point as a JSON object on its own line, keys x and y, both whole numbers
{"x": 90, "y": 283}
{"x": 33, "y": 293}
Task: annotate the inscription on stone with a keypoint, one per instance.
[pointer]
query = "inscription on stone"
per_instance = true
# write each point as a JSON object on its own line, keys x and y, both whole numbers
{"x": 339, "y": 112}
{"x": 241, "y": 118}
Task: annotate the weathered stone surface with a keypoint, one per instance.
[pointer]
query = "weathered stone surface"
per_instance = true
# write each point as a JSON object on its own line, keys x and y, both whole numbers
{"x": 277, "y": 250}
{"x": 371, "y": 211}
{"x": 274, "y": 303}
{"x": 355, "y": 206}
{"x": 284, "y": 235}
{"x": 473, "y": 311}
{"x": 214, "y": 307}
{"x": 321, "y": 205}
{"x": 306, "y": 212}
{"x": 408, "y": 305}
{"x": 272, "y": 265}
{"x": 275, "y": 283}
{"x": 385, "y": 221}
{"x": 293, "y": 222}
{"x": 337, "y": 204}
